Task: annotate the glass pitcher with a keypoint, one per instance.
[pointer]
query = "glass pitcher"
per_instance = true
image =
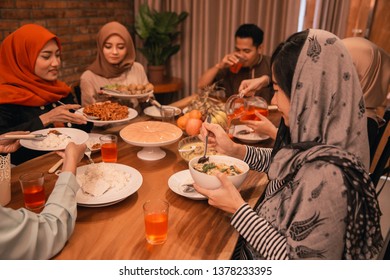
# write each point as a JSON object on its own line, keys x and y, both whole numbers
{"x": 244, "y": 108}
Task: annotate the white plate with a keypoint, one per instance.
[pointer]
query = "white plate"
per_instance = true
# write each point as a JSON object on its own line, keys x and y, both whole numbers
{"x": 123, "y": 95}
{"x": 92, "y": 140}
{"x": 76, "y": 135}
{"x": 248, "y": 138}
{"x": 132, "y": 114}
{"x": 155, "y": 112}
{"x": 112, "y": 196}
{"x": 176, "y": 181}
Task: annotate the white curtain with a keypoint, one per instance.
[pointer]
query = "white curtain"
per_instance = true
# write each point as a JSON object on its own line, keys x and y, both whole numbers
{"x": 208, "y": 32}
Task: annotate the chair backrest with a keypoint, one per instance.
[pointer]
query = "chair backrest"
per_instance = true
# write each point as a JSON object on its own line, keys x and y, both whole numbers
{"x": 77, "y": 92}
{"x": 381, "y": 167}
{"x": 379, "y": 139}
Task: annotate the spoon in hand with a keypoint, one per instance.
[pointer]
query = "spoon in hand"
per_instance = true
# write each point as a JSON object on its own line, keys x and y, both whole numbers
{"x": 204, "y": 159}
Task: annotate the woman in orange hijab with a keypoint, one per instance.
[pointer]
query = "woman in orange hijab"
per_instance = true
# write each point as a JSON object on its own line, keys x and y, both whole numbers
{"x": 29, "y": 89}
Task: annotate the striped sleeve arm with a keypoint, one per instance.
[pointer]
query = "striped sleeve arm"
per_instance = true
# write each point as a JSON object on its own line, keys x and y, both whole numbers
{"x": 259, "y": 233}
{"x": 258, "y": 158}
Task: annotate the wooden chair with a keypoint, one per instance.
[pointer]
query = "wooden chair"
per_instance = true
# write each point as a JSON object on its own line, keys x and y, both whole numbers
{"x": 76, "y": 91}
{"x": 381, "y": 167}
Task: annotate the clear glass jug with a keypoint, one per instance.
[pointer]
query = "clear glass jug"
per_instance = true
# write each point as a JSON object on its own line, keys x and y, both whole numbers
{"x": 244, "y": 108}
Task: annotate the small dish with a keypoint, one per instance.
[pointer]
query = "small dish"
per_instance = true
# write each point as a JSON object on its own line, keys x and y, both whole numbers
{"x": 246, "y": 135}
{"x": 93, "y": 142}
{"x": 178, "y": 181}
{"x": 155, "y": 112}
{"x": 191, "y": 146}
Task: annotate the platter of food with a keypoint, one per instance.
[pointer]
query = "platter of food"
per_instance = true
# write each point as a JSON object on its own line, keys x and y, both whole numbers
{"x": 128, "y": 91}
{"x": 103, "y": 184}
{"x": 107, "y": 113}
{"x": 55, "y": 139}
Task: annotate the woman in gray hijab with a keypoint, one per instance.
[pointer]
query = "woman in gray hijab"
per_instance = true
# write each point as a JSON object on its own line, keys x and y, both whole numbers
{"x": 320, "y": 202}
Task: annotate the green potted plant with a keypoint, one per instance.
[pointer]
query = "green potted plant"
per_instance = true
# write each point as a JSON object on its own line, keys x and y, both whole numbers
{"x": 158, "y": 31}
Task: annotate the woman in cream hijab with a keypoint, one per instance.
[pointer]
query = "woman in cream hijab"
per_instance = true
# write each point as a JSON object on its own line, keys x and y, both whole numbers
{"x": 373, "y": 68}
{"x": 114, "y": 64}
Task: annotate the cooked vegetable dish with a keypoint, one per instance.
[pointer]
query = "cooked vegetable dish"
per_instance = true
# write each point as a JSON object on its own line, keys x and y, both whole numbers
{"x": 212, "y": 168}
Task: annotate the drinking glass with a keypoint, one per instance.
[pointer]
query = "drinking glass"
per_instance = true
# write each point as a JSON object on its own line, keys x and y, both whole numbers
{"x": 235, "y": 68}
{"x": 168, "y": 114}
{"x": 33, "y": 190}
{"x": 156, "y": 221}
{"x": 108, "y": 147}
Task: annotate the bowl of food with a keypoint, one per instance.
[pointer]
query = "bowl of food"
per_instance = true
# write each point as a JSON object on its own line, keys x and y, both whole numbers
{"x": 204, "y": 174}
{"x": 192, "y": 146}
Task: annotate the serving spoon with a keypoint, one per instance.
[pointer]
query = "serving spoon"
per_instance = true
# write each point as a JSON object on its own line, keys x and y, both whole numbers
{"x": 84, "y": 114}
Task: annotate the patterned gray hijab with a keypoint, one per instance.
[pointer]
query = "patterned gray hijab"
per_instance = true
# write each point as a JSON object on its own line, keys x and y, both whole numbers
{"x": 326, "y": 98}
{"x": 327, "y": 122}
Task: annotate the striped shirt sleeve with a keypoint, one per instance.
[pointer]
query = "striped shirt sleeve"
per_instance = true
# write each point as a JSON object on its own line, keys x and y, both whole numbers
{"x": 259, "y": 233}
{"x": 258, "y": 158}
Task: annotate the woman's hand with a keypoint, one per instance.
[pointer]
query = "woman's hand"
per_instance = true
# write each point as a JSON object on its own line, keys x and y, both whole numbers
{"x": 226, "y": 197}
{"x": 221, "y": 141}
{"x": 72, "y": 156}
{"x": 248, "y": 87}
{"x": 264, "y": 126}
{"x": 10, "y": 145}
{"x": 62, "y": 114}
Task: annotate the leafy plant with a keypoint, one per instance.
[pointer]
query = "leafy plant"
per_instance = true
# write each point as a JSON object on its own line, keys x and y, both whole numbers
{"x": 158, "y": 30}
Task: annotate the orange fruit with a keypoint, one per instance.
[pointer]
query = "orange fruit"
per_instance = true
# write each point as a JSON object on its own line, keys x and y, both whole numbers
{"x": 195, "y": 114}
{"x": 193, "y": 126}
{"x": 182, "y": 122}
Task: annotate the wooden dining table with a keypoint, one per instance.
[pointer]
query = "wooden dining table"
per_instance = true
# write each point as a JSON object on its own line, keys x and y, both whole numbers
{"x": 196, "y": 230}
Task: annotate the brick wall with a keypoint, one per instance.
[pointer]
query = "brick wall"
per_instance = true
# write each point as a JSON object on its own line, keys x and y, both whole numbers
{"x": 75, "y": 22}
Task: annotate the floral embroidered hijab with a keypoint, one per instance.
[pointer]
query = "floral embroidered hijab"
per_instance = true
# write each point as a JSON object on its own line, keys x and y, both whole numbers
{"x": 327, "y": 123}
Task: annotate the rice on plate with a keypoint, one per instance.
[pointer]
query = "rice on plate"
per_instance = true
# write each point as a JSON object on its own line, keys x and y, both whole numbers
{"x": 101, "y": 177}
{"x": 54, "y": 139}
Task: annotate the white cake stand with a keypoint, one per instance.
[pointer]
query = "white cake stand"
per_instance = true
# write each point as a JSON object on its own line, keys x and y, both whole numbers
{"x": 151, "y": 136}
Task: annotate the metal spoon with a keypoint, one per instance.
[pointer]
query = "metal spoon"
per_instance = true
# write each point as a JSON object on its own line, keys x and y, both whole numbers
{"x": 84, "y": 114}
{"x": 204, "y": 159}
{"x": 88, "y": 154}
{"x": 245, "y": 131}
{"x": 188, "y": 188}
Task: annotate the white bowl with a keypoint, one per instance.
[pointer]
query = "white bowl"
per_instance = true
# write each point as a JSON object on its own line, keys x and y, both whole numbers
{"x": 212, "y": 182}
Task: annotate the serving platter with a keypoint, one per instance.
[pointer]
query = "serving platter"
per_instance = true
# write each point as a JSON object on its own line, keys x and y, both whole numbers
{"x": 132, "y": 114}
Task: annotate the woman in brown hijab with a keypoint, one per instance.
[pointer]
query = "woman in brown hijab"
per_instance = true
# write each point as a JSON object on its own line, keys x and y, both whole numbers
{"x": 373, "y": 68}
{"x": 114, "y": 64}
